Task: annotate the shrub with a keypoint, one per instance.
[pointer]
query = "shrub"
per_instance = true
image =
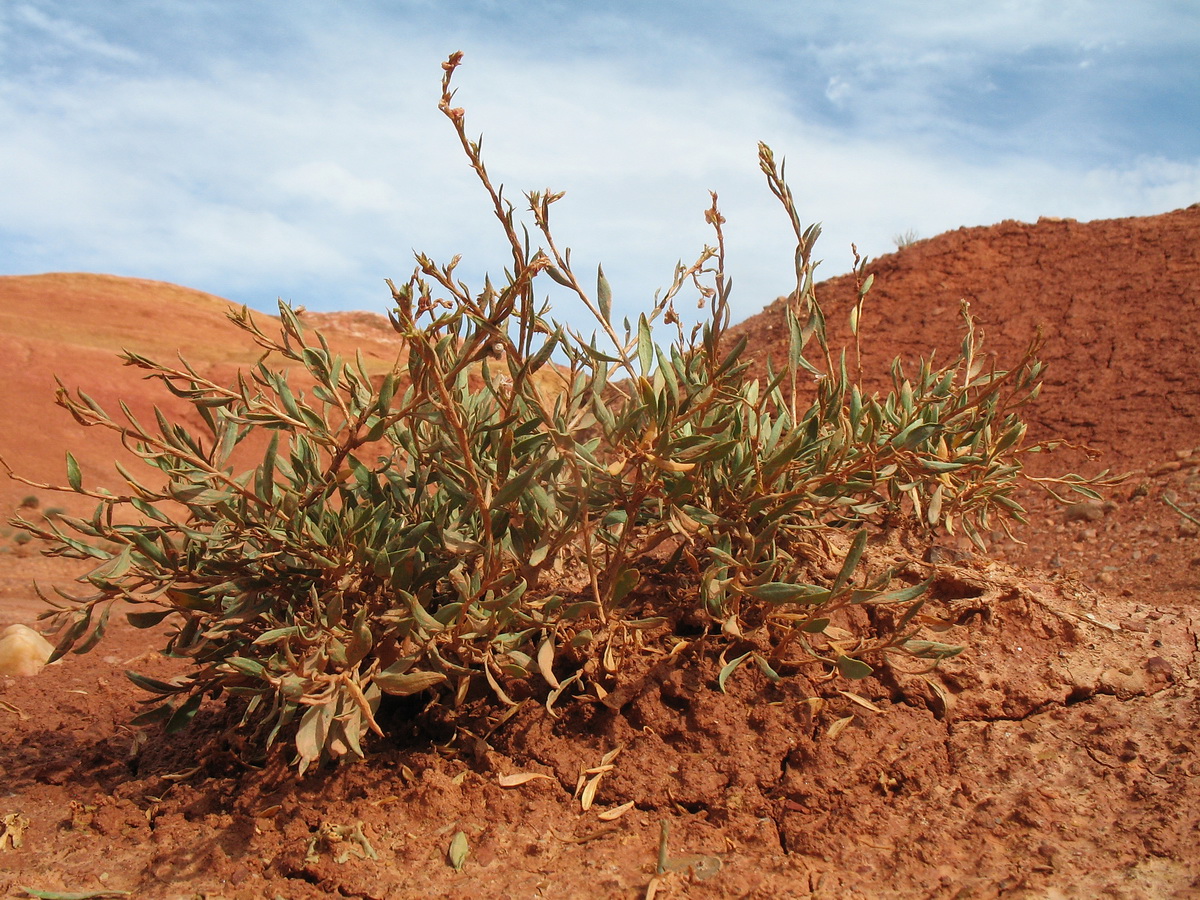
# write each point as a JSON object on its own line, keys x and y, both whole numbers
{"x": 484, "y": 513}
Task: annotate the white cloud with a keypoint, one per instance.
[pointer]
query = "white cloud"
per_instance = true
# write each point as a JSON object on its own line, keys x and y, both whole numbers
{"x": 326, "y": 183}
{"x": 311, "y": 175}
{"x": 72, "y": 36}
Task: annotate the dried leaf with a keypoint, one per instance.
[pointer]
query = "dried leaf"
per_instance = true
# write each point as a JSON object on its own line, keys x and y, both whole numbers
{"x": 861, "y": 701}
{"x": 518, "y": 778}
{"x": 589, "y": 792}
{"x": 616, "y": 812}
{"x": 838, "y": 727}
{"x": 8, "y": 707}
{"x": 545, "y": 661}
{"x": 940, "y": 692}
{"x": 408, "y": 683}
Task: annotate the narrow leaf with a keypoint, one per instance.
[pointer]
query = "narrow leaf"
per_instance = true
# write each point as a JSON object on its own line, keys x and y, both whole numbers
{"x": 409, "y": 683}
{"x": 851, "y": 561}
{"x": 519, "y": 778}
{"x": 729, "y": 669}
{"x": 861, "y": 701}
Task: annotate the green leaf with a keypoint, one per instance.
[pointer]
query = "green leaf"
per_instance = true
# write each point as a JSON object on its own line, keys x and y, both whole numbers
{"x": 456, "y": 854}
{"x": 914, "y": 434}
{"x": 245, "y": 666}
{"x": 626, "y": 582}
{"x": 74, "y": 478}
{"x": 97, "y": 633}
{"x": 74, "y": 895}
{"x": 153, "y": 685}
{"x": 851, "y": 561}
{"x": 852, "y": 668}
{"x": 361, "y": 638}
{"x": 184, "y": 713}
{"x": 932, "y": 649}
{"x": 729, "y": 669}
{"x": 786, "y": 592}
{"x": 311, "y": 735}
{"x": 156, "y": 716}
{"x": 603, "y": 295}
{"x": 903, "y": 595}
{"x": 645, "y": 345}
{"x": 765, "y": 668}
{"x": 277, "y": 634}
{"x": 147, "y": 619}
{"x": 514, "y": 488}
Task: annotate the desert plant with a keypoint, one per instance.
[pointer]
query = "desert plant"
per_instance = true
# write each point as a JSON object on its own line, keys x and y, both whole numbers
{"x": 905, "y": 238}
{"x": 484, "y": 512}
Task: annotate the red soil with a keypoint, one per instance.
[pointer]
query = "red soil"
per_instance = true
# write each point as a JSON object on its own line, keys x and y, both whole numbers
{"x": 1056, "y": 758}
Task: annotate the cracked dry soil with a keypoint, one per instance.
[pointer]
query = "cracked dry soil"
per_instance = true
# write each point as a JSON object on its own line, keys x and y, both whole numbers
{"x": 1056, "y": 759}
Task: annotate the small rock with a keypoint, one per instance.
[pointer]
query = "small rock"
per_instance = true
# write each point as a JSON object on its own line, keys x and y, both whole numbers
{"x": 23, "y": 651}
{"x": 1162, "y": 469}
{"x": 1188, "y": 529}
{"x": 1083, "y": 512}
{"x": 1159, "y": 669}
{"x": 941, "y": 555}
{"x": 1123, "y": 682}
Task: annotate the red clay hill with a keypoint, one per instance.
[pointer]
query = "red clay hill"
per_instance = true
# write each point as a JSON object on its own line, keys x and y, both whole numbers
{"x": 1118, "y": 302}
{"x": 73, "y": 326}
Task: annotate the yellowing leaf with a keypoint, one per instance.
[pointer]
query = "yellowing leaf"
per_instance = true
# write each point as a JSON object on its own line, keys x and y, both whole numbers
{"x": 838, "y": 727}
{"x": 408, "y": 683}
{"x": 456, "y": 855}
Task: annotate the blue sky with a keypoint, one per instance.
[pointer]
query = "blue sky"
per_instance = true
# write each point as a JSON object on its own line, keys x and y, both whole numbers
{"x": 267, "y": 149}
